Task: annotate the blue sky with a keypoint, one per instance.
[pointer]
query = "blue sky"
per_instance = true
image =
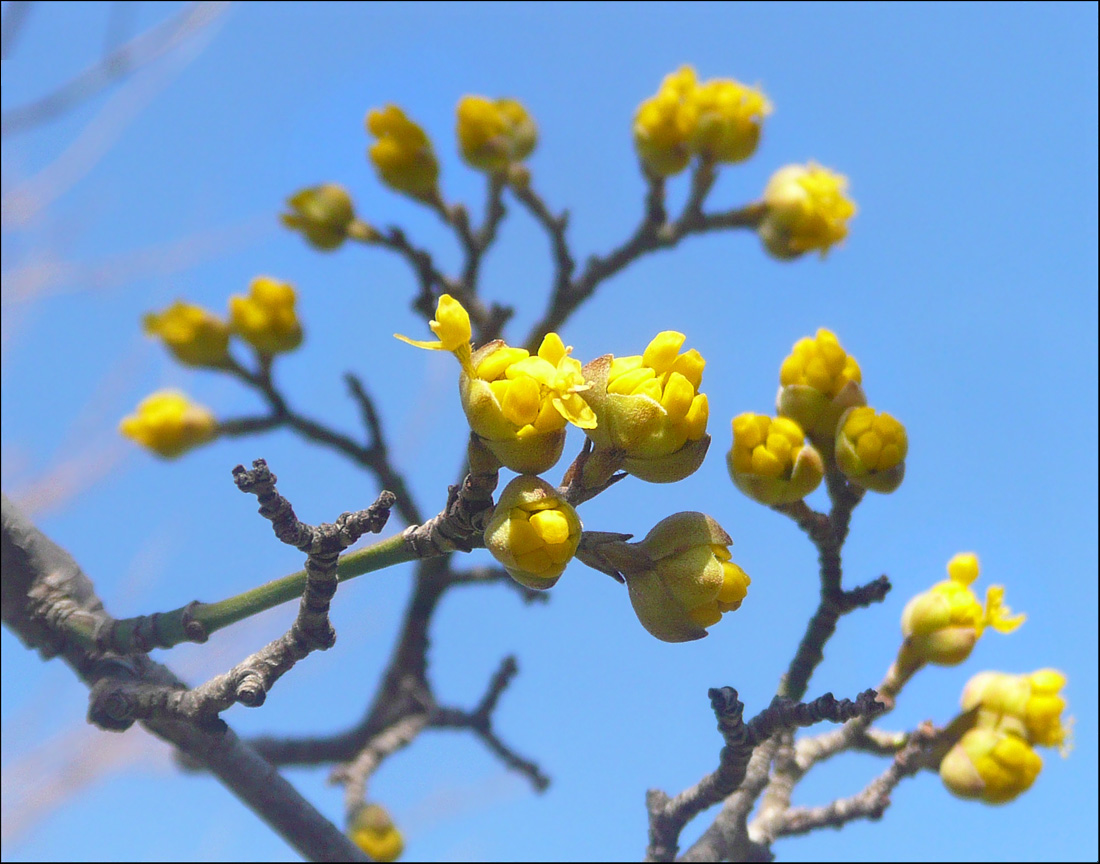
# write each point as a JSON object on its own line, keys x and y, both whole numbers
{"x": 966, "y": 291}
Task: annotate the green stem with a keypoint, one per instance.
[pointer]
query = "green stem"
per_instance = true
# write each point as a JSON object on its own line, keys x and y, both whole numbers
{"x": 196, "y": 621}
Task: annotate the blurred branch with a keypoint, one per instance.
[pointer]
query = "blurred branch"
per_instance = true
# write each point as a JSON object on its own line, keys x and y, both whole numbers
{"x": 14, "y": 19}
{"x": 114, "y": 66}
{"x": 373, "y": 456}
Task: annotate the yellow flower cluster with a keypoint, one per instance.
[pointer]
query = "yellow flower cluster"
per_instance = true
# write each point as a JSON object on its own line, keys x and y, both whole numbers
{"x": 821, "y": 399}
{"x": 518, "y": 404}
{"x": 990, "y": 766}
{"x": 166, "y": 422}
{"x": 643, "y": 413}
{"x": 719, "y": 120}
{"x": 818, "y": 382}
{"x": 169, "y": 424}
{"x": 995, "y": 761}
{"x": 870, "y": 449}
{"x": 943, "y": 624}
{"x": 770, "y": 460}
{"x": 325, "y": 216}
{"x": 373, "y": 831}
{"x": 195, "y": 336}
{"x": 265, "y": 318}
{"x": 403, "y": 154}
{"x": 533, "y": 532}
{"x": 649, "y": 410}
{"x": 1029, "y": 706}
{"x": 688, "y": 581}
{"x": 493, "y": 135}
{"x": 807, "y": 209}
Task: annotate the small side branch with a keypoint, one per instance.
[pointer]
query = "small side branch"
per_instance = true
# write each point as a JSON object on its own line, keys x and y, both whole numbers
{"x": 480, "y": 722}
{"x": 652, "y": 233}
{"x": 872, "y": 802}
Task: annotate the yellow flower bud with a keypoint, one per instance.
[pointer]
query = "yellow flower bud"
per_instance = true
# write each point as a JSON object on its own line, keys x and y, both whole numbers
{"x": 991, "y": 766}
{"x": 683, "y": 581}
{"x": 323, "y": 214}
{"x": 266, "y": 318}
{"x": 517, "y": 403}
{"x": 169, "y": 424}
{"x": 807, "y": 209}
{"x": 195, "y": 336}
{"x": 649, "y": 409}
{"x": 533, "y": 532}
{"x": 373, "y": 831}
{"x": 871, "y": 448}
{"x": 818, "y": 382}
{"x": 492, "y": 135}
{"x": 664, "y": 124}
{"x": 770, "y": 460}
{"x": 728, "y": 120}
{"x": 943, "y": 624}
{"x": 1029, "y": 706}
{"x": 403, "y": 154}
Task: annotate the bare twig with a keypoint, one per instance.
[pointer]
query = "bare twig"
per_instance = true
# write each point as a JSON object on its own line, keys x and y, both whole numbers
{"x": 480, "y": 721}
{"x": 116, "y": 704}
{"x": 374, "y": 457}
{"x": 654, "y": 232}
{"x": 872, "y": 802}
{"x": 667, "y": 817}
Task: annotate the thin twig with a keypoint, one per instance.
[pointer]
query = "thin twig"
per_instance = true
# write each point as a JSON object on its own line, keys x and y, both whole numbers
{"x": 138, "y": 52}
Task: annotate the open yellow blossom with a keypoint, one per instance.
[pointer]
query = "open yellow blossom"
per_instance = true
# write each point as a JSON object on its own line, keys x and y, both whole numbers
{"x": 403, "y": 154}
{"x": 533, "y": 532}
{"x": 169, "y": 424}
{"x": 651, "y": 417}
{"x": 325, "y": 215}
{"x": 990, "y": 765}
{"x": 266, "y": 318}
{"x": 494, "y": 134}
{"x": 818, "y": 382}
{"x": 770, "y": 460}
{"x": 943, "y": 624}
{"x": 517, "y": 403}
{"x": 1030, "y": 706}
{"x": 194, "y": 335}
{"x": 871, "y": 449}
{"x": 729, "y": 116}
{"x": 373, "y": 831}
{"x": 807, "y": 209}
{"x": 681, "y": 579}
{"x": 665, "y": 123}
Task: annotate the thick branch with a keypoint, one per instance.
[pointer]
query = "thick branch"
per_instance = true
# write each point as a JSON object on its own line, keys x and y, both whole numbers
{"x": 38, "y": 577}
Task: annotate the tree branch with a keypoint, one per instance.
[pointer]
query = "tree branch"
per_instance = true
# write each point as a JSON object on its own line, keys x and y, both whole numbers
{"x": 42, "y": 583}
